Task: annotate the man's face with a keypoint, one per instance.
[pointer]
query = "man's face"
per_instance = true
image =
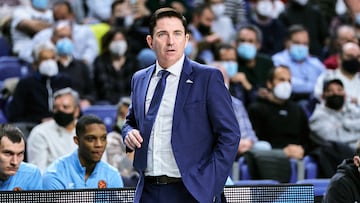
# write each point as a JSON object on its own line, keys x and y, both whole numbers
{"x": 92, "y": 144}
{"x": 168, "y": 41}
{"x": 62, "y": 32}
{"x": 334, "y": 89}
{"x": 207, "y": 17}
{"x": 228, "y": 54}
{"x": 46, "y": 55}
{"x": 11, "y": 155}
{"x": 351, "y": 51}
{"x": 346, "y": 35}
{"x": 280, "y": 75}
{"x": 248, "y": 36}
{"x": 61, "y": 12}
{"x": 65, "y": 103}
{"x": 300, "y": 38}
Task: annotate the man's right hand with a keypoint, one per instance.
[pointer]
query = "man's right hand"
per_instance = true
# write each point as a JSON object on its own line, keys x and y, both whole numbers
{"x": 133, "y": 139}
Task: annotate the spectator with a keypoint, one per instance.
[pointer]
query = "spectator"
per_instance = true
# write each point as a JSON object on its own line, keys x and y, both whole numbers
{"x": 114, "y": 68}
{"x": 278, "y": 120}
{"x": 33, "y": 96}
{"x": 304, "y": 68}
{"x": 75, "y": 69}
{"x": 348, "y": 73}
{"x": 84, "y": 168}
{"x": 115, "y": 150}
{"x": 200, "y": 28}
{"x": 28, "y": 21}
{"x": 98, "y": 11}
{"x": 300, "y": 12}
{"x": 85, "y": 45}
{"x": 53, "y": 139}
{"x": 253, "y": 66}
{"x": 273, "y": 29}
{"x": 344, "y": 185}
{"x": 344, "y": 34}
{"x": 14, "y": 173}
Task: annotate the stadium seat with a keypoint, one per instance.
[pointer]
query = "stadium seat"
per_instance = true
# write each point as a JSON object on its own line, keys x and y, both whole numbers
{"x": 256, "y": 182}
{"x": 311, "y": 168}
{"x": 320, "y": 185}
{"x": 11, "y": 66}
{"x": 106, "y": 112}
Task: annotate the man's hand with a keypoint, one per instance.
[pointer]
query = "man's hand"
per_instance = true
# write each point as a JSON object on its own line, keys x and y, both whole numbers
{"x": 133, "y": 139}
{"x": 245, "y": 145}
{"x": 294, "y": 151}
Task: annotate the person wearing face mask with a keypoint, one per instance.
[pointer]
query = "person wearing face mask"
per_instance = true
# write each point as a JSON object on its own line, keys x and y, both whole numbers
{"x": 279, "y": 120}
{"x": 348, "y": 73}
{"x": 26, "y": 22}
{"x": 114, "y": 67}
{"x": 75, "y": 69}
{"x": 54, "y": 138}
{"x": 344, "y": 186}
{"x": 115, "y": 149}
{"x": 305, "y": 69}
{"x": 32, "y": 100}
{"x": 252, "y": 66}
{"x": 334, "y": 119}
{"x": 300, "y": 12}
{"x": 263, "y": 18}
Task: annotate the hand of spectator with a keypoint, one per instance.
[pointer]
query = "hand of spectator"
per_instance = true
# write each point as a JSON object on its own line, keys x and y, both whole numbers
{"x": 245, "y": 145}
{"x": 241, "y": 78}
{"x": 133, "y": 139}
{"x": 263, "y": 93}
{"x": 178, "y": 6}
{"x": 354, "y": 100}
{"x": 213, "y": 38}
{"x": 84, "y": 103}
{"x": 294, "y": 151}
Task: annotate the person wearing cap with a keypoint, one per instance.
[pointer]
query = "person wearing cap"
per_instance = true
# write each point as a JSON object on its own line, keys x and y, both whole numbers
{"x": 334, "y": 119}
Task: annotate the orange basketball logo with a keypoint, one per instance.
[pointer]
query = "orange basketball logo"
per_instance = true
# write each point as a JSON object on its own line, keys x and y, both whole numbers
{"x": 101, "y": 184}
{"x": 17, "y": 189}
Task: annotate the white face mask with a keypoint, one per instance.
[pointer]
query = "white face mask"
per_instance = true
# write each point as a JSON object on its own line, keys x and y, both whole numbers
{"x": 282, "y": 90}
{"x": 340, "y": 7}
{"x": 118, "y": 47}
{"x": 302, "y": 2}
{"x": 218, "y": 9}
{"x": 48, "y": 68}
{"x": 265, "y": 8}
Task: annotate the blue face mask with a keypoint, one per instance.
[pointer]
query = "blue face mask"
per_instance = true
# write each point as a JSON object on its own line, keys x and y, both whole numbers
{"x": 188, "y": 49}
{"x": 246, "y": 51}
{"x": 231, "y": 68}
{"x": 299, "y": 52}
{"x": 64, "y": 47}
{"x": 40, "y": 4}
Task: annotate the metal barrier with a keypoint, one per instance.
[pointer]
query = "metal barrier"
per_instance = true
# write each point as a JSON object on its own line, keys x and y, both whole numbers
{"x": 279, "y": 193}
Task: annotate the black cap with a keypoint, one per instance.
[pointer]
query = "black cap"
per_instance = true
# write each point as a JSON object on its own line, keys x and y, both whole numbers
{"x": 327, "y": 83}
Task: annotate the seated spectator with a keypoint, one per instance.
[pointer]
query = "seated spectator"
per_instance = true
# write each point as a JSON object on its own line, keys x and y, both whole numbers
{"x": 33, "y": 96}
{"x": 114, "y": 68}
{"x": 279, "y": 120}
{"x": 345, "y": 184}
{"x": 14, "y": 173}
{"x": 85, "y": 44}
{"x": 304, "y": 68}
{"x": 54, "y": 138}
{"x": 344, "y": 34}
{"x": 28, "y": 21}
{"x": 253, "y": 66}
{"x": 334, "y": 119}
{"x": 84, "y": 168}
{"x": 116, "y": 149}
{"x": 75, "y": 69}
{"x": 348, "y": 73}
{"x": 225, "y": 60}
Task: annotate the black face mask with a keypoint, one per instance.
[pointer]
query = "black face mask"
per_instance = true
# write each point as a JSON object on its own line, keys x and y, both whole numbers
{"x": 351, "y": 66}
{"x": 119, "y": 22}
{"x": 63, "y": 119}
{"x": 335, "y": 101}
{"x": 204, "y": 29}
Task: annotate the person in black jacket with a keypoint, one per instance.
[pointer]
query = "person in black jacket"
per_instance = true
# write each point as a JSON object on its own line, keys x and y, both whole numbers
{"x": 345, "y": 184}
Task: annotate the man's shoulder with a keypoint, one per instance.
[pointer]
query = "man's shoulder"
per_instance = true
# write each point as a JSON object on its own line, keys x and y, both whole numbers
{"x": 44, "y": 127}
{"x": 28, "y": 168}
{"x": 102, "y": 165}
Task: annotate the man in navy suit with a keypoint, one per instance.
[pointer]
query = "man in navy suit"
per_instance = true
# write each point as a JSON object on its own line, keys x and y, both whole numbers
{"x": 188, "y": 152}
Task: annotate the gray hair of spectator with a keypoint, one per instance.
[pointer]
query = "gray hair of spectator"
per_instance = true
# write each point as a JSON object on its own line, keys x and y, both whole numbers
{"x": 344, "y": 28}
{"x": 44, "y": 46}
{"x": 86, "y": 120}
{"x": 70, "y": 91}
{"x": 124, "y": 101}
{"x": 12, "y": 132}
{"x": 295, "y": 29}
{"x": 254, "y": 28}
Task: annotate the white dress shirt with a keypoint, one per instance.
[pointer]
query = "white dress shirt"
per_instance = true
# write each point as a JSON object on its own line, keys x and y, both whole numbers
{"x": 160, "y": 158}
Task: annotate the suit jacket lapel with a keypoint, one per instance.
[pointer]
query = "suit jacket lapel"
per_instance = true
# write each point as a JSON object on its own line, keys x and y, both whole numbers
{"x": 185, "y": 83}
{"x": 144, "y": 87}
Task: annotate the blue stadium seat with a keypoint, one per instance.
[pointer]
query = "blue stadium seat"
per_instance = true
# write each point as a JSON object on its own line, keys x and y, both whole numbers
{"x": 256, "y": 182}
{"x": 311, "y": 168}
{"x": 106, "y": 112}
{"x": 320, "y": 185}
{"x": 11, "y": 66}
{"x": 5, "y": 47}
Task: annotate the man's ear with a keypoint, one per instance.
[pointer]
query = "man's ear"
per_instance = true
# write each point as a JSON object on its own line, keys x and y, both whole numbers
{"x": 149, "y": 41}
{"x": 356, "y": 161}
{"x": 76, "y": 140}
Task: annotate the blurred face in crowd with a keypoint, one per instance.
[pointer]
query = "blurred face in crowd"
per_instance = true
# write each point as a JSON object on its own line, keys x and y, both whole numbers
{"x": 11, "y": 156}
{"x": 350, "y": 58}
{"x": 280, "y": 75}
{"x": 65, "y": 110}
{"x": 168, "y": 40}
{"x": 62, "y": 12}
{"x": 91, "y": 144}
{"x": 346, "y": 34}
{"x": 334, "y": 96}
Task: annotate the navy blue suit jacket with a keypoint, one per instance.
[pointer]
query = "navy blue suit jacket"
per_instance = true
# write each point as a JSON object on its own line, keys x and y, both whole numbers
{"x": 205, "y": 132}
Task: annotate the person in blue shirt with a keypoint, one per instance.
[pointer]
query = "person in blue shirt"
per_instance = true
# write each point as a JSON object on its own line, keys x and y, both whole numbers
{"x": 14, "y": 173}
{"x": 84, "y": 168}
